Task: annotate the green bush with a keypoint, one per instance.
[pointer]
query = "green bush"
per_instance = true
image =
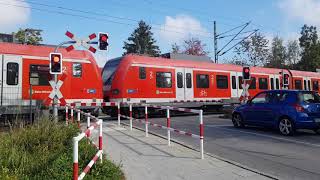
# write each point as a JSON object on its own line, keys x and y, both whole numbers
{"x": 44, "y": 151}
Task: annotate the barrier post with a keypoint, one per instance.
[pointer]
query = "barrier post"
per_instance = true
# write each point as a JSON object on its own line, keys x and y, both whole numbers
{"x": 88, "y": 124}
{"x": 168, "y": 126}
{"x": 100, "y": 139}
{"x": 146, "y": 119}
{"x": 118, "y": 113}
{"x": 75, "y": 159}
{"x": 130, "y": 112}
{"x": 78, "y": 118}
{"x": 66, "y": 115}
{"x": 71, "y": 114}
{"x": 201, "y": 133}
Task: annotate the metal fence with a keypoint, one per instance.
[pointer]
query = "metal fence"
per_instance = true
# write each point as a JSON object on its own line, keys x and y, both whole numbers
{"x": 16, "y": 110}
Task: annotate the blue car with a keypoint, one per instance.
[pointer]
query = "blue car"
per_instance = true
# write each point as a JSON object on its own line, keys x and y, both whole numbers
{"x": 285, "y": 110}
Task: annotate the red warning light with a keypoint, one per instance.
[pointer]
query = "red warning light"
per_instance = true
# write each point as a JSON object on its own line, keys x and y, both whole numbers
{"x": 104, "y": 38}
{"x": 56, "y": 59}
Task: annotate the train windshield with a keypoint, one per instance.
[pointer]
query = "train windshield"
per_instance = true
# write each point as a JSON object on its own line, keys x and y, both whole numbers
{"x": 109, "y": 70}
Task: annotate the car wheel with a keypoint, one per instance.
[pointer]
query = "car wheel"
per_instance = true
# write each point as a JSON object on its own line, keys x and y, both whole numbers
{"x": 237, "y": 120}
{"x": 286, "y": 127}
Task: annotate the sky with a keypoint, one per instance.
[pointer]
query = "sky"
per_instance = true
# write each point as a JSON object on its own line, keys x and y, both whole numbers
{"x": 171, "y": 21}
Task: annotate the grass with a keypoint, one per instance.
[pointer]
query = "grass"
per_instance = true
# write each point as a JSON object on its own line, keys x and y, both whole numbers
{"x": 44, "y": 151}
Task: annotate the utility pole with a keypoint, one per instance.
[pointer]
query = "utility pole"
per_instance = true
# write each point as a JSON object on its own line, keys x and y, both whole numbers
{"x": 215, "y": 42}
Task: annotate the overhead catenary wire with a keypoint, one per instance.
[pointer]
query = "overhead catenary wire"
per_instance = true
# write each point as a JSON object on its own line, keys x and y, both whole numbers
{"x": 93, "y": 18}
{"x": 107, "y": 15}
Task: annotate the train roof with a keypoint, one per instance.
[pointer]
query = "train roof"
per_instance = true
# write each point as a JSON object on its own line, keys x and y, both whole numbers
{"x": 138, "y": 59}
{"x": 43, "y": 51}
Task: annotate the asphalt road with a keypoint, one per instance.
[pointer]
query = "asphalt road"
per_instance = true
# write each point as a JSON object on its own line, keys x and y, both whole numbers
{"x": 265, "y": 150}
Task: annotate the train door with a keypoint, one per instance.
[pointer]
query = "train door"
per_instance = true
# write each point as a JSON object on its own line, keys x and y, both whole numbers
{"x": 188, "y": 90}
{"x": 307, "y": 83}
{"x": 272, "y": 81}
{"x": 180, "y": 85}
{"x": 11, "y": 80}
{"x": 234, "y": 84}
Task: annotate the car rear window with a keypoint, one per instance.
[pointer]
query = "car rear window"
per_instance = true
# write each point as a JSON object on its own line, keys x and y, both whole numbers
{"x": 309, "y": 97}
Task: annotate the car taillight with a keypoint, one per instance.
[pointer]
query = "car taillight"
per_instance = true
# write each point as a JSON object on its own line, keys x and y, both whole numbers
{"x": 115, "y": 91}
{"x": 298, "y": 108}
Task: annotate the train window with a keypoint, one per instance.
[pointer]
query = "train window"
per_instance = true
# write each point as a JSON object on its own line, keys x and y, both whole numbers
{"x": 240, "y": 82}
{"x": 188, "y": 80}
{"x": 12, "y": 73}
{"x": 309, "y": 85}
{"x": 142, "y": 73}
{"x": 163, "y": 80}
{"x": 39, "y": 75}
{"x": 272, "y": 83}
{"x": 277, "y": 83}
{"x": 234, "y": 82}
{"x": 315, "y": 85}
{"x": 297, "y": 84}
{"x": 263, "y": 83}
{"x": 77, "y": 70}
{"x": 222, "y": 82}
{"x": 202, "y": 81}
{"x": 253, "y": 83}
{"x": 305, "y": 84}
{"x": 179, "y": 80}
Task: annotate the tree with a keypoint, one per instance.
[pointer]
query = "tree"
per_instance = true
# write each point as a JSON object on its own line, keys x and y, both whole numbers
{"x": 293, "y": 53}
{"x": 309, "y": 43}
{"x": 28, "y": 36}
{"x": 255, "y": 49}
{"x": 175, "y": 48}
{"x": 277, "y": 55}
{"x": 141, "y": 41}
{"x": 192, "y": 46}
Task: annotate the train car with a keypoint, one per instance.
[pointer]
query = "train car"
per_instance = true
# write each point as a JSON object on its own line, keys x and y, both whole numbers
{"x": 141, "y": 79}
{"x": 22, "y": 64}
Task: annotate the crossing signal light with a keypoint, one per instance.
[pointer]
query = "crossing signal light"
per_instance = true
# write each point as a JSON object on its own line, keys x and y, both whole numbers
{"x": 246, "y": 73}
{"x": 103, "y": 41}
{"x": 285, "y": 79}
{"x": 55, "y": 63}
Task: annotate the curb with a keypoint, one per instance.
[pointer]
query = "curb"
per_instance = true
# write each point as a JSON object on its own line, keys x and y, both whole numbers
{"x": 211, "y": 155}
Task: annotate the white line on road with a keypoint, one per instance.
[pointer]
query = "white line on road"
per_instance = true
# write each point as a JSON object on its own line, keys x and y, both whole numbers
{"x": 268, "y": 136}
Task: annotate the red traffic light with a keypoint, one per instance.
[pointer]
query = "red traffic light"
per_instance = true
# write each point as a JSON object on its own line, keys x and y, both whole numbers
{"x": 104, "y": 38}
{"x": 55, "y": 63}
{"x": 56, "y": 59}
{"x": 103, "y": 41}
{"x": 246, "y": 70}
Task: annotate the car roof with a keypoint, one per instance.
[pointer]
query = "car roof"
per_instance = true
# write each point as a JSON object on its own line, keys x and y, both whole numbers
{"x": 288, "y": 90}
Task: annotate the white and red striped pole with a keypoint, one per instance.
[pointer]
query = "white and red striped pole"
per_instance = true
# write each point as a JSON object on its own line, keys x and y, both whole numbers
{"x": 78, "y": 118}
{"x": 146, "y": 119}
{"x": 66, "y": 115}
{"x": 168, "y": 126}
{"x": 71, "y": 114}
{"x": 130, "y": 112}
{"x": 201, "y": 133}
{"x": 88, "y": 123}
{"x": 119, "y": 114}
{"x": 75, "y": 159}
{"x": 100, "y": 140}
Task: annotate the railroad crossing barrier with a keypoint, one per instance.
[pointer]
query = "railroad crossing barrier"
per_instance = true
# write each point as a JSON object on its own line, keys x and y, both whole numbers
{"x": 87, "y": 135}
{"x": 168, "y": 119}
{"x": 146, "y": 122}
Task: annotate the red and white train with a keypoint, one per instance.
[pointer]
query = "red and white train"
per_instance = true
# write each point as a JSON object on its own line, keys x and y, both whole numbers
{"x": 24, "y": 64}
{"x": 132, "y": 78}
{"x": 141, "y": 79}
